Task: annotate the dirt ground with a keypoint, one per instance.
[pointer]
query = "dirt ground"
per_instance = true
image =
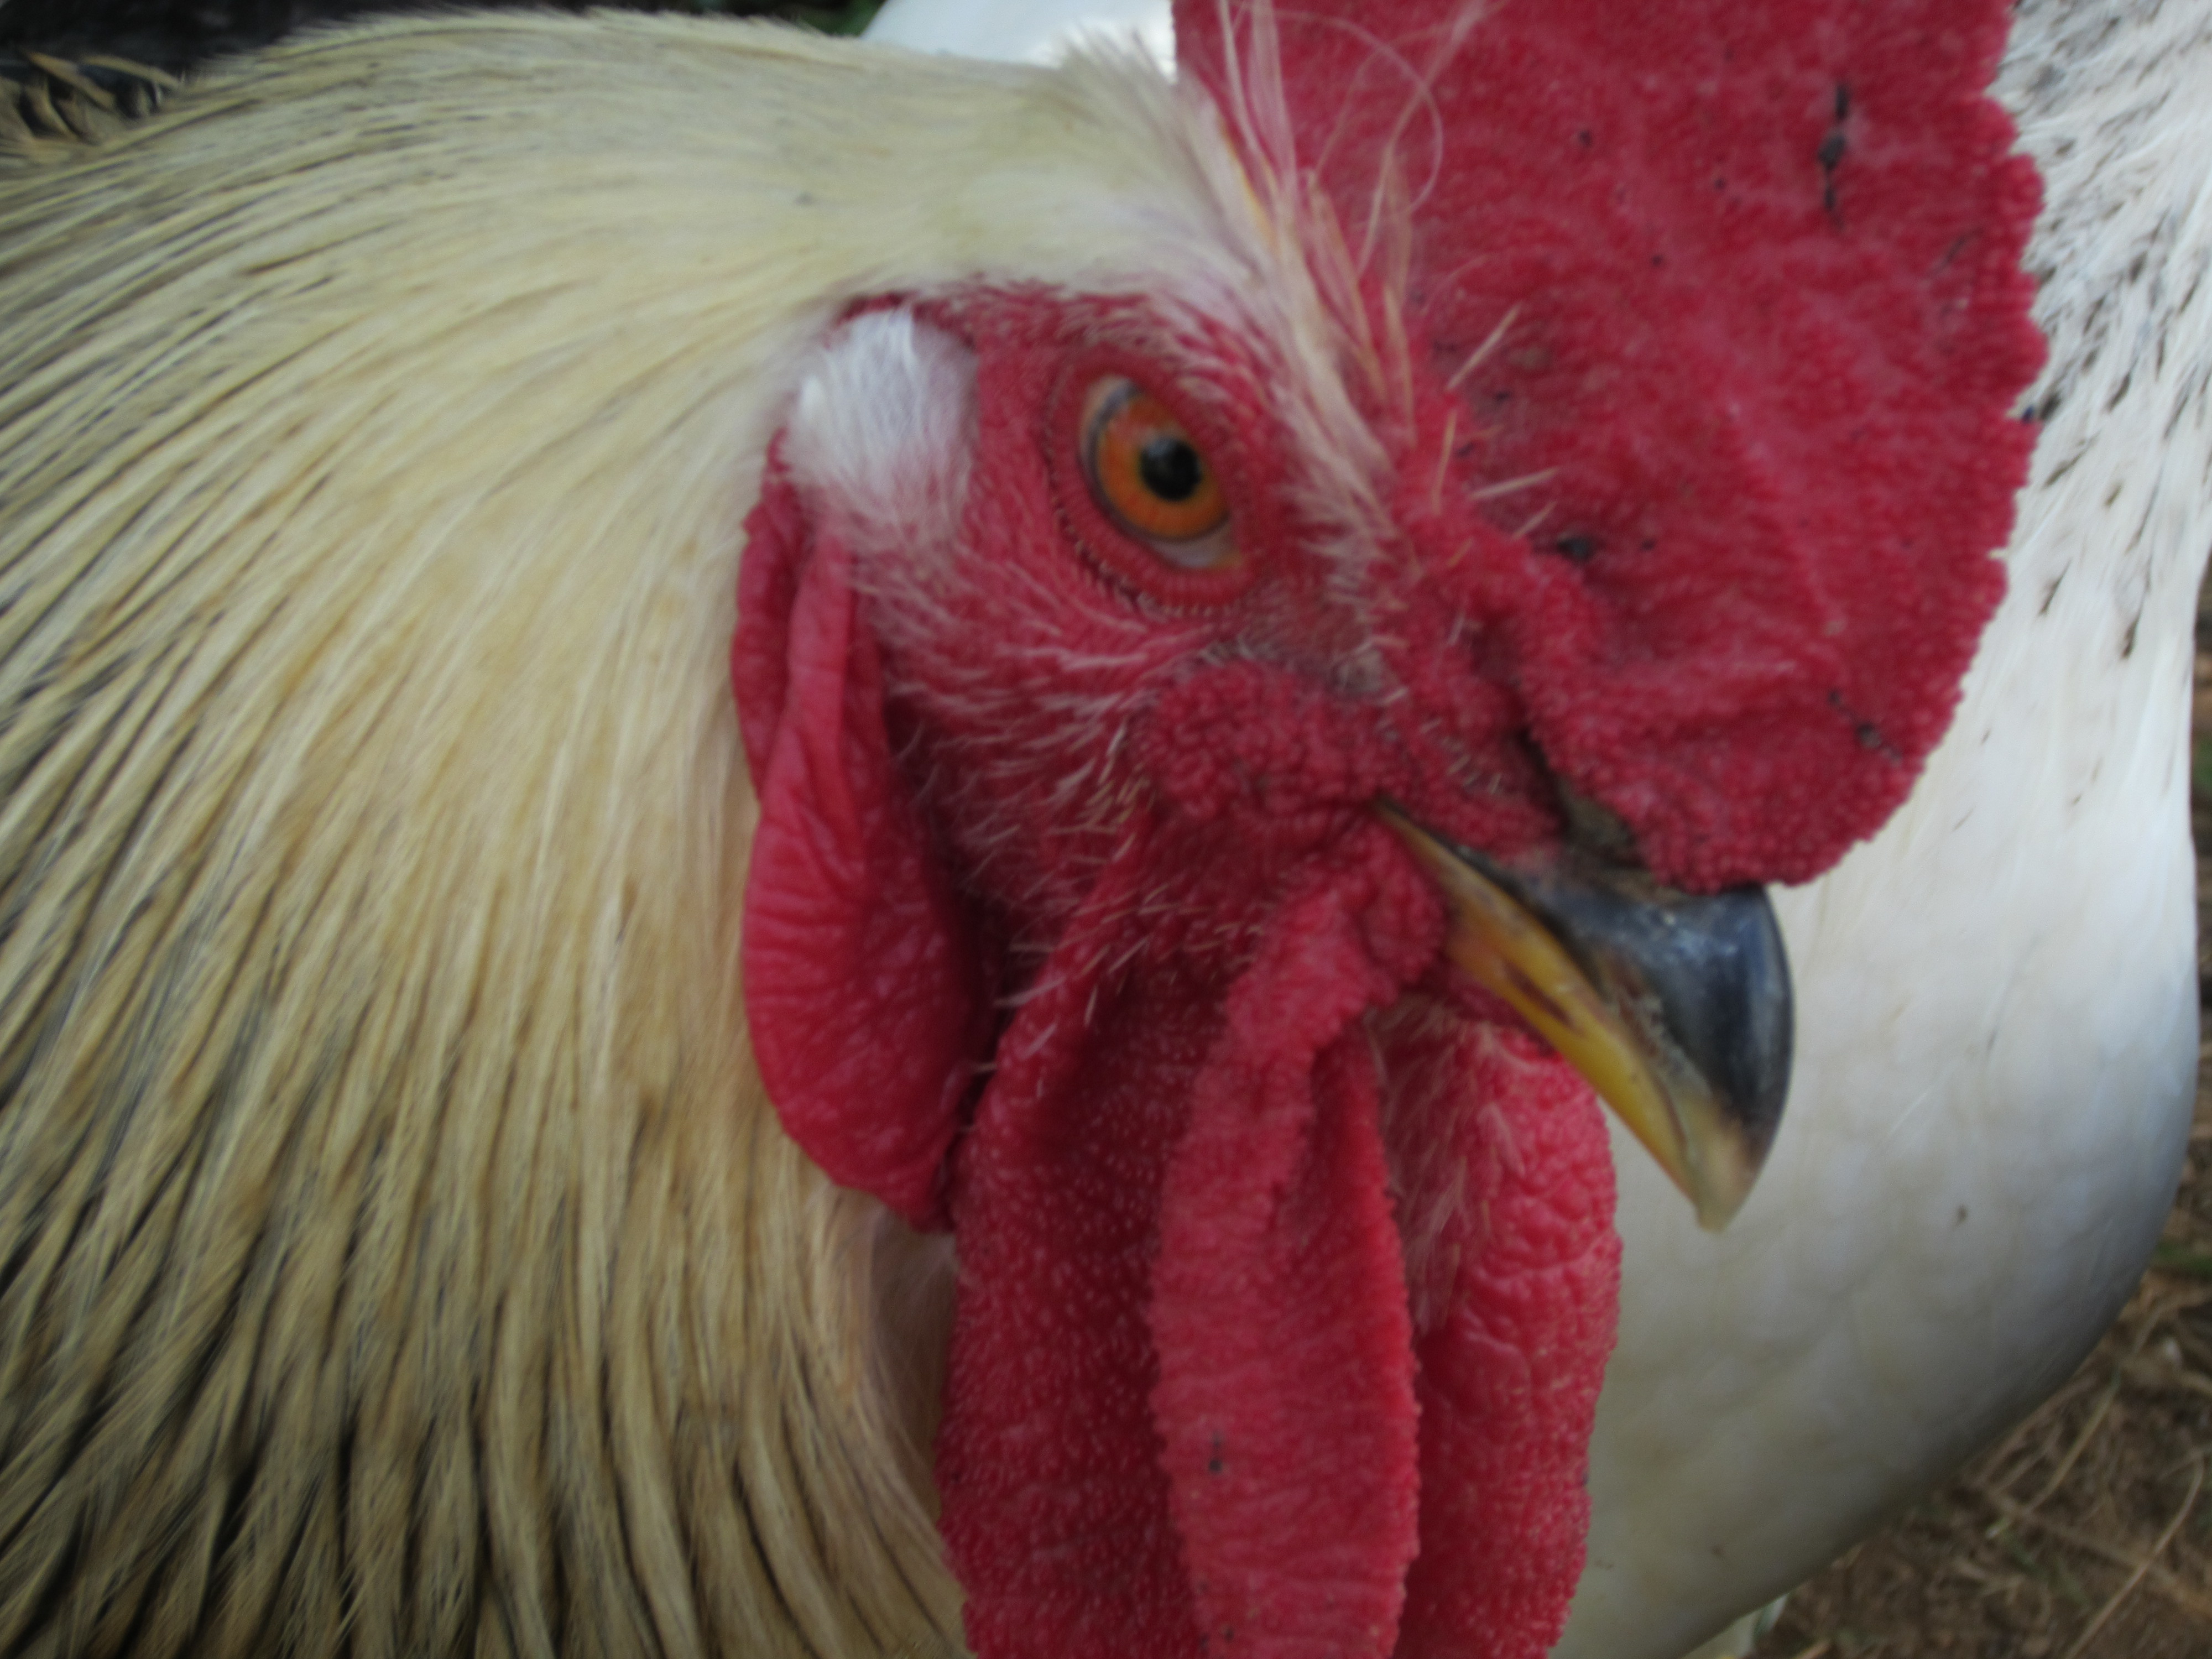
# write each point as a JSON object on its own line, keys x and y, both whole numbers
{"x": 2087, "y": 1533}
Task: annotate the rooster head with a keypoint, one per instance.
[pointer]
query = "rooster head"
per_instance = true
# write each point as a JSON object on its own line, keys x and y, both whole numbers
{"x": 1185, "y": 709}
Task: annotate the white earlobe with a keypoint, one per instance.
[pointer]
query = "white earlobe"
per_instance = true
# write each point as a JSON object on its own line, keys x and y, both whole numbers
{"x": 880, "y": 438}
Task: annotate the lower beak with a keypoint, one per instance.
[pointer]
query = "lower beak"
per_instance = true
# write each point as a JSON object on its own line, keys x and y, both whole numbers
{"x": 1676, "y": 1008}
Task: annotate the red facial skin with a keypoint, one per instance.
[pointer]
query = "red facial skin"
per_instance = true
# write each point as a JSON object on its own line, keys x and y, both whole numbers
{"x": 1286, "y": 1272}
{"x": 1188, "y": 1391}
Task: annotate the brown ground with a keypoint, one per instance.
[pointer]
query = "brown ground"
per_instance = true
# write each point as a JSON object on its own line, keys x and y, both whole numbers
{"x": 2087, "y": 1534}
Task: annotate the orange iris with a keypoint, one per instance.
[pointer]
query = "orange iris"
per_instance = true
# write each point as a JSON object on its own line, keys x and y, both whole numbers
{"x": 1149, "y": 474}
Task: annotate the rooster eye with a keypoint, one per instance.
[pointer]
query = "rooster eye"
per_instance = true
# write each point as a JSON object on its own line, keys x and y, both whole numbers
{"x": 1151, "y": 479}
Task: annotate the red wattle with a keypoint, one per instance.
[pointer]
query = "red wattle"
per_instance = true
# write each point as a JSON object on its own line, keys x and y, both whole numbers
{"x": 1054, "y": 1507}
{"x": 850, "y": 924}
{"x": 1285, "y": 1400}
{"x": 1509, "y": 1374}
{"x": 1187, "y": 1410}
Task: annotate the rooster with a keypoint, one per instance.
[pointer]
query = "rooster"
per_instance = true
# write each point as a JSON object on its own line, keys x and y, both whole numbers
{"x": 1249, "y": 603}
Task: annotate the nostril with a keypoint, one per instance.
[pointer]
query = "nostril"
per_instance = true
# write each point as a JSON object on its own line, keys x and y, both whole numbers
{"x": 1596, "y": 830}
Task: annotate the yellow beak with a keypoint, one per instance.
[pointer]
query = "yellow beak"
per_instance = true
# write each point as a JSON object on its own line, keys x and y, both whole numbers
{"x": 1676, "y": 1008}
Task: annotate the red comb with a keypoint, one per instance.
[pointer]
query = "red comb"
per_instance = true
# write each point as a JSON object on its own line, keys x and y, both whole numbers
{"x": 1736, "y": 288}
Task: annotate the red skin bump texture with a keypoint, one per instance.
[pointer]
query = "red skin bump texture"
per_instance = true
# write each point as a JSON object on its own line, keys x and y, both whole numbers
{"x": 1187, "y": 1410}
{"x": 1511, "y": 1371}
{"x": 1749, "y": 280}
{"x": 1290, "y": 1440}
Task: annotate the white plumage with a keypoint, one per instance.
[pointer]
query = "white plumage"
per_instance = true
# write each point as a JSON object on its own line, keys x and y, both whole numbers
{"x": 1997, "y": 995}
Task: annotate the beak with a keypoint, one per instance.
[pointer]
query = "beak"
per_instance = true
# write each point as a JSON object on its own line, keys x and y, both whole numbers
{"x": 1676, "y": 1008}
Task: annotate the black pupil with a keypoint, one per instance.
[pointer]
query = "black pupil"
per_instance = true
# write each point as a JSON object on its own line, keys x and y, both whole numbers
{"x": 1170, "y": 469}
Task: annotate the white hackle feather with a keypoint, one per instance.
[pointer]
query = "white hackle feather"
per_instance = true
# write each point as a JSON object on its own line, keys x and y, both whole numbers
{"x": 379, "y": 428}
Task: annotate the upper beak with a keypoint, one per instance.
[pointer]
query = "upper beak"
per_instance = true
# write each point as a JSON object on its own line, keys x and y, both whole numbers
{"x": 1676, "y": 1008}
